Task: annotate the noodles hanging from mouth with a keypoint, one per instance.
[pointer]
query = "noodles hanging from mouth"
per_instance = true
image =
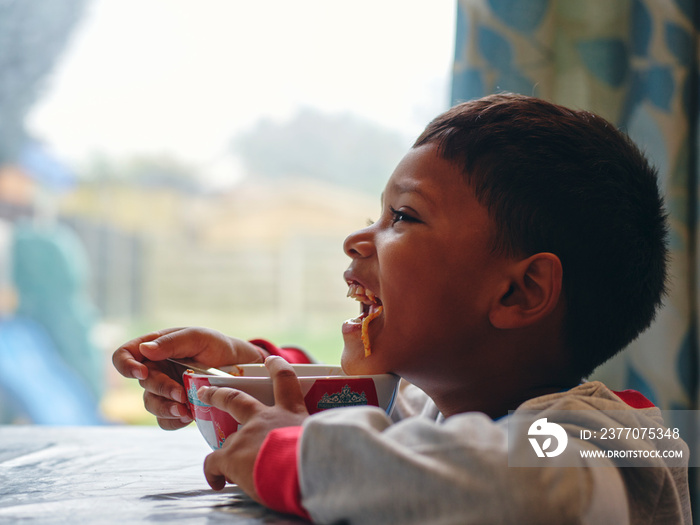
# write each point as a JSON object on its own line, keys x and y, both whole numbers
{"x": 365, "y": 329}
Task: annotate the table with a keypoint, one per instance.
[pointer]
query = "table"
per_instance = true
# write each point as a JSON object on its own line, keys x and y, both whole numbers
{"x": 115, "y": 474}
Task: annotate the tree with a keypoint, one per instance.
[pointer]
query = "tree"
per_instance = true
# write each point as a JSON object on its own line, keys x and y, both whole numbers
{"x": 33, "y": 33}
{"x": 146, "y": 171}
{"x": 341, "y": 149}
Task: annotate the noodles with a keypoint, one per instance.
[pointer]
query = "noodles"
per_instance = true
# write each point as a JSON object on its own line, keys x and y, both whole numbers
{"x": 365, "y": 329}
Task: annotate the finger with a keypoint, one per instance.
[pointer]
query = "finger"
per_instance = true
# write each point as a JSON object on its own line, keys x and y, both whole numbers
{"x": 173, "y": 424}
{"x": 285, "y": 384}
{"x": 162, "y": 384}
{"x": 240, "y": 405}
{"x": 205, "y": 345}
{"x": 128, "y": 358}
{"x": 164, "y": 408}
{"x": 212, "y": 471}
{"x": 127, "y": 363}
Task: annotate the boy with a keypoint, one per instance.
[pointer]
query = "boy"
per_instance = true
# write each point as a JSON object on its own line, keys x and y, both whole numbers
{"x": 520, "y": 245}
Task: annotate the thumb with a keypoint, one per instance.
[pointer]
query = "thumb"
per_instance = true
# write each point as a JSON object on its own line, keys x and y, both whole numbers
{"x": 152, "y": 351}
{"x": 212, "y": 471}
{"x": 181, "y": 343}
{"x": 285, "y": 384}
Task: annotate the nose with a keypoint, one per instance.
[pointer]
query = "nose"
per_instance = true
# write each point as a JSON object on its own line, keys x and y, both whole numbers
{"x": 360, "y": 244}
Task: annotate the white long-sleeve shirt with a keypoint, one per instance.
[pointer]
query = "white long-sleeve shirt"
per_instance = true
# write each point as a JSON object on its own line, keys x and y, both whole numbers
{"x": 359, "y": 466}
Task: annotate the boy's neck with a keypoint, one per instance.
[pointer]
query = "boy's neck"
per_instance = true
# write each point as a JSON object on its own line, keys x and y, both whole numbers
{"x": 494, "y": 404}
{"x": 495, "y": 389}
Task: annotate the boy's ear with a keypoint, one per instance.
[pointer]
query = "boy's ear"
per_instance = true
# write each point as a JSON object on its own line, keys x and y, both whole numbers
{"x": 532, "y": 292}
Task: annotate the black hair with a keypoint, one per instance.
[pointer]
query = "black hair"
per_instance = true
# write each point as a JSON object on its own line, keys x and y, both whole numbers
{"x": 569, "y": 183}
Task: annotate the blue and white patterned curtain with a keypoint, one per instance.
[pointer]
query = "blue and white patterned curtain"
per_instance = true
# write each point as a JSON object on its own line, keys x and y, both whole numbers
{"x": 636, "y": 63}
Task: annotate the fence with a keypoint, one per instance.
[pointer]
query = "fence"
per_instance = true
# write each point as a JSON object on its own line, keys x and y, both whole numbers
{"x": 168, "y": 279}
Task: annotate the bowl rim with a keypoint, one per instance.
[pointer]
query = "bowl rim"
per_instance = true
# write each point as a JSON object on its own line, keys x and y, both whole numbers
{"x": 325, "y": 376}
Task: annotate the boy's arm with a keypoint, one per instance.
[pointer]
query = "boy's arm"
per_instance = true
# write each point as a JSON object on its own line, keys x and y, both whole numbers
{"x": 353, "y": 464}
{"x": 291, "y": 354}
{"x": 276, "y": 472}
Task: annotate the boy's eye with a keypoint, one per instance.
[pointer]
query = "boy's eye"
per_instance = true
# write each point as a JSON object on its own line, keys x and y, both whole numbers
{"x": 397, "y": 216}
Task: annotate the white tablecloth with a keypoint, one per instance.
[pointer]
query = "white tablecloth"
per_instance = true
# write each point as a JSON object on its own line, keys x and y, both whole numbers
{"x": 115, "y": 474}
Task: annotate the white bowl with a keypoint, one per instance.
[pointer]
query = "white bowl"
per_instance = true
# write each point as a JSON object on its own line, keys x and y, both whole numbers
{"x": 324, "y": 387}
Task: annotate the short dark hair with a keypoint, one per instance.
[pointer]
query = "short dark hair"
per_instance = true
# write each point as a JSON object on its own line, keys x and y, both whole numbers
{"x": 569, "y": 183}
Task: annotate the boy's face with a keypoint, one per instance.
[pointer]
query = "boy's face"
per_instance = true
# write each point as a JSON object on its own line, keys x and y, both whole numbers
{"x": 428, "y": 260}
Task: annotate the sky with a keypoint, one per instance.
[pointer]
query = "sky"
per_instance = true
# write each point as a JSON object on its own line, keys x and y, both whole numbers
{"x": 183, "y": 77}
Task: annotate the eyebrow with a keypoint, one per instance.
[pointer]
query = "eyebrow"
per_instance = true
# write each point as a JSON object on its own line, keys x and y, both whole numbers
{"x": 410, "y": 188}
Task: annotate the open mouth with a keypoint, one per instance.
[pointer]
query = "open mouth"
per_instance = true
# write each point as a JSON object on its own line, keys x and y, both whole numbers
{"x": 370, "y": 308}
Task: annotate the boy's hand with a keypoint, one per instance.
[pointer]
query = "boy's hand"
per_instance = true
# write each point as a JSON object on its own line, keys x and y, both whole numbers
{"x": 144, "y": 358}
{"x": 234, "y": 461}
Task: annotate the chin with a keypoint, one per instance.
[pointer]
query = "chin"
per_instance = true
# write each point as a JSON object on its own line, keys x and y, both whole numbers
{"x": 348, "y": 362}
{"x": 352, "y": 356}
{"x": 353, "y": 362}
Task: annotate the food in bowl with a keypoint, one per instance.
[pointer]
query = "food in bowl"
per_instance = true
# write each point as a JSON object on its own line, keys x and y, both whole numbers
{"x": 324, "y": 387}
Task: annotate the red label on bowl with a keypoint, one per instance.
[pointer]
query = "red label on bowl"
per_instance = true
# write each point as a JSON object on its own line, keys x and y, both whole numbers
{"x": 326, "y": 393}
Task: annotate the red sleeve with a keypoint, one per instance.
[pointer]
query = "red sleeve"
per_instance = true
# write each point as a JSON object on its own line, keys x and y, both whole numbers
{"x": 276, "y": 472}
{"x": 634, "y": 399}
{"x": 290, "y": 354}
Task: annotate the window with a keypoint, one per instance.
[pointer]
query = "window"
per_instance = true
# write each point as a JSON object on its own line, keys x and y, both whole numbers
{"x": 210, "y": 157}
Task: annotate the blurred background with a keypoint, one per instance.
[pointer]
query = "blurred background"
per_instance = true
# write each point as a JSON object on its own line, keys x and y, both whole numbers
{"x": 173, "y": 162}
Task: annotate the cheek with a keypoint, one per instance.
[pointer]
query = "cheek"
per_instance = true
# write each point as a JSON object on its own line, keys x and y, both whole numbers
{"x": 412, "y": 315}
{"x": 435, "y": 308}
{"x": 414, "y": 289}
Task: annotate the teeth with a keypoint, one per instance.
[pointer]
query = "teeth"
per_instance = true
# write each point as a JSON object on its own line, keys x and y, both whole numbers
{"x": 360, "y": 293}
